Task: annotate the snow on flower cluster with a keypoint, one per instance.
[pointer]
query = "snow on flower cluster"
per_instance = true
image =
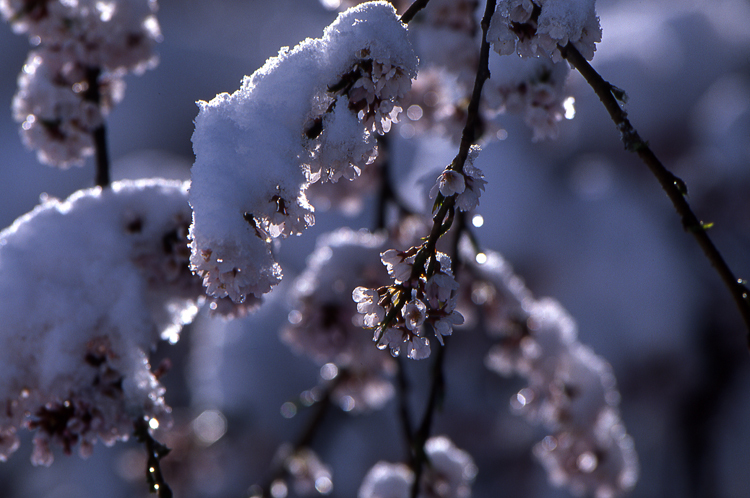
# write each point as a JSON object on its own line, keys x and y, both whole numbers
{"x": 571, "y": 391}
{"x": 539, "y": 27}
{"x": 531, "y": 87}
{"x": 449, "y": 474}
{"x": 307, "y": 114}
{"x": 89, "y": 285}
{"x": 325, "y": 325}
{"x": 74, "y": 77}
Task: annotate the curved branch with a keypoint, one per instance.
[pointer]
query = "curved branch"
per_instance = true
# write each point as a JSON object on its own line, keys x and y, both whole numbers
{"x": 674, "y": 187}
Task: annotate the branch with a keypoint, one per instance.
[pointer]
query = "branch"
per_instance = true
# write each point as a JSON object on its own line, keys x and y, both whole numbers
{"x": 155, "y": 451}
{"x": 412, "y": 10}
{"x": 674, "y": 187}
{"x": 403, "y": 405}
{"x": 437, "y": 393}
{"x": 99, "y": 135}
{"x": 304, "y": 440}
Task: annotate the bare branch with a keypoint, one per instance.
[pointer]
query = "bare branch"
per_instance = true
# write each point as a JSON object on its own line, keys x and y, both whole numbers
{"x": 674, "y": 187}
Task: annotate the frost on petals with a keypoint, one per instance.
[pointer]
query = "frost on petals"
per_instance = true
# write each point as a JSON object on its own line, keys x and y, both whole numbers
{"x": 118, "y": 257}
{"x": 538, "y": 27}
{"x": 258, "y": 149}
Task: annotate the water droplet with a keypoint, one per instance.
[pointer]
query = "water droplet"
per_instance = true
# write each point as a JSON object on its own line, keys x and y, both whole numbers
{"x": 295, "y": 317}
{"x": 414, "y": 112}
{"x": 587, "y": 462}
{"x": 153, "y": 423}
{"x": 477, "y": 220}
{"x": 329, "y": 371}
{"x": 549, "y": 443}
{"x": 323, "y": 485}
{"x": 481, "y": 258}
{"x": 382, "y": 346}
{"x": 395, "y": 352}
{"x": 347, "y": 403}
{"x": 279, "y": 489}
{"x": 209, "y": 426}
{"x": 288, "y": 410}
{"x": 570, "y": 107}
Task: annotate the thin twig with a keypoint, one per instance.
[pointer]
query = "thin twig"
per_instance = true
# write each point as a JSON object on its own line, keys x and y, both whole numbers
{"x": 102, "y": 156}
{"x": 468, "y": 138}
{"x": 155, "y": 451}
{"x": 412, "y": 10}
{"x": 403, "y": 405}
{"x": 99, "y": 135}
{"x": 322, "y": 408}
{"x": 674, "y": 187}
{"x": 437, "y": 393}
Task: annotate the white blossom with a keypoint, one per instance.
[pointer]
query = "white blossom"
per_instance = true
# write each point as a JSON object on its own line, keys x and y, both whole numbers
{"x": 398, "y": 264}
{"x": 326, "y": 321}
{"x": 414, "y": 313}
{"x": 448, "y": 183}
{"x": 475, "y": 182}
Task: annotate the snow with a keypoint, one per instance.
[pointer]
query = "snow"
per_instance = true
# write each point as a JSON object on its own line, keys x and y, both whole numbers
{"x": 90, "y": 285}
{"x": 253, "y": 147}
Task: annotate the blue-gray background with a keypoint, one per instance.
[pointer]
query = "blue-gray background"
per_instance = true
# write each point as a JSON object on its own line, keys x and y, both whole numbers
{"x": 579, "y": 218}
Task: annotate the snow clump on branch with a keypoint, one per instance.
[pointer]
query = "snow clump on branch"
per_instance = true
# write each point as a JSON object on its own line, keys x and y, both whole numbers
{"x": 90, "y": 285}
{"x": 307, "y": 114}
{"x": 539, "y": 27}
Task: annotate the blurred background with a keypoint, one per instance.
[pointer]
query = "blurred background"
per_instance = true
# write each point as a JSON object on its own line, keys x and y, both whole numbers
{"x": 579, "y": 218}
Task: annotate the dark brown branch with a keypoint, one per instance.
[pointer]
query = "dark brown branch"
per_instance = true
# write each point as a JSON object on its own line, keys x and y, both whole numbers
{"x": 155, "y": 451}
{"x": 403, "y": 405}
{"x": 674, "y": 187}
{"x": 412, "y": 10}
{"x": 322, "y": 408}
{"x": 102, "y": 156}
{"x": 99, "y": 134}
{"x": 437, "y": 393}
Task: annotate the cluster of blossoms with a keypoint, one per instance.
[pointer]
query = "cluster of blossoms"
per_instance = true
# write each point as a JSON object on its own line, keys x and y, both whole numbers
{"x": 535, "y": 28}
{"x": 466, "y": 185}
{"x": 449, "y": 474}
{"x": 571, "y": 390}
{"x": 424, "y": 291}
{"x": 258, "y": 149}
{"x": 531, "y": 87}
{"x": 74, "y": 77}
{"x": 118, "y": 257}
{"x": 399, "y": 312}
{"x": 325, "y": 325}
